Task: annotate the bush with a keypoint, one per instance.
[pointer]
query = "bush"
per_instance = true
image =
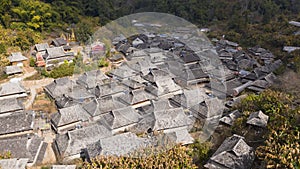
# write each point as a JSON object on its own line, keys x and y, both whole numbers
{"x": 281, "y": 148}
{"x": 176, "y": 157}
{"x": 63, "y": 70}
{"x": 5, "y": 155}
{"x": 102, "y": 62}
{"x": 32, "y": 62}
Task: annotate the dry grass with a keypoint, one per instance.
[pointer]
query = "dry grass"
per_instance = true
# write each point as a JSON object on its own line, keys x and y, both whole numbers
{"x": 43, "y": 103}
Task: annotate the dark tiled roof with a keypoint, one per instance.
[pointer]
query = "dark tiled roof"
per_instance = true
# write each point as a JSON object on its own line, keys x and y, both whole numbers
{"x": 10, "y": 105}
{"x": 69, "y": 115}
{"x": 17, "y": 57}
{"x": 233, "y": 153}
{"x": 16, "y": 122}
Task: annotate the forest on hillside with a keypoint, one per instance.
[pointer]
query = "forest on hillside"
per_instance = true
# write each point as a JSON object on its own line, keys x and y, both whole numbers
{"x": 250, "y": 22}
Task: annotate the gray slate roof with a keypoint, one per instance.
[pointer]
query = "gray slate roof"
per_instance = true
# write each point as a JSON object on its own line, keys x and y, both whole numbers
{"x": 16, "y": 57}
{"x": 190, "y": 98}
{"x": 91, "y": 79}
{"x": 121, "y": 118}
{"x": 231, "y": 117}
{"x": 118, "y": 145}
{"x": 41, "y": 47}
{"x": 157, "y": 75}
{"x": 69, "y": 115}
{"x": 181, "y": 136}
{"x": 136, "y": 96}
{"x": 143, "y": 66}
{"x": 10, "y": 105}
{"x": 55, "y": 52}
{"x": 11, "y": 88}
{"x": 133, "y": 84}
{"x": 162, "y": 87}
{"x": 109, "y": 89}
{"x": 59, "y": 87}
{"x": 171, "y": 118}
{"x": 23, "y": 147}
{"x": 74, "y": 141}
{"x": 234, "y": 153}
{"x": 63, "y": 167}
{"x": 295, "y": 23}
{"x": 59, "y": 42}
{"x": 13, "y": 163}
{"x": 123, "y": 71}
{"x": 103, "y": 105}
{"x": 16, "y": 122}
{"x": 10, "y": 70}
{"x": 258, "y": 119}
{"x": 164, "y": 119}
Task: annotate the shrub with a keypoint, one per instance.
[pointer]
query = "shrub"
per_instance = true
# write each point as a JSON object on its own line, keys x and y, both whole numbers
{"x": 281, "y": 148}
{"x": 176, "y": 157}
{"x": 5, "y": 155}
{"x": 31, "y": 62}
{"x": 102, "y": 62}
{"x": 65, "y": 69}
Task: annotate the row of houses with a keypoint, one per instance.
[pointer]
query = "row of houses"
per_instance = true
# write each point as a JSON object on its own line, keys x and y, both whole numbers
{"x": 152, "y": 90}
{"x": 158, "y": 91}
{"x": 53, "y": 54}
{"x": 17, "y": 62}
{"x": 18, "y": 129}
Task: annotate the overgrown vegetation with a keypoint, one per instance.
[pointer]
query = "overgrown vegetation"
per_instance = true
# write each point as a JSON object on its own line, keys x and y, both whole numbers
{"x": 5, "y": 155}
{"x": 65, "y": 69}
{"x": 175, "y": 157}
{"x": 280, "y": 148}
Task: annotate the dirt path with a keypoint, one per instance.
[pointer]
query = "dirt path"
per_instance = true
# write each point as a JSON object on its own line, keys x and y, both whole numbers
{"x": 33, "y": 86}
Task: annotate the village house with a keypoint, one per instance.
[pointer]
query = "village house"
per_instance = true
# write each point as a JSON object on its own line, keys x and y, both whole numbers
{"x": 116, "y": 59}
{"x": 120, "y": 120}
{"x": 181, "y": 137}
{"x": 233, "y": 153}
{"x": 137, "y": 55}
{"x": 136, "y": 98}
{"x": 142, "y": 66}
{"x": 123, "y": 71}
{"x": 193, "y": 100}
{"x": 132, "y": 83}
{"x": 16, "y": 124}
{"x": 29, "y": 146}
{"x": 110, "y": 89}
{"x": 69, "y": 118}
{"x": 231, "y": 117}
{"x": 91, "y": 79}
{"x": 41, "y": 48}
{"x": 78, "y": 95}
{"x": 17, "y": 59}
{"x": 160, "y": 84}
{"x": 117, "y": 145}
{"x": 8, "y": 106}
{"x": 166, "y": 119}
{"x": 60, "y": 42}
{"x": 59, "y": 87}
{"x": 12, "y": 70}
{"x": 12, "y": 90}
{"x": 258, "y": 119}
{"x": 56, "y": 56}
{"x": 70, "y": 145}
{"x": 14, "y": 163}
{"x": 97, "y": 107}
